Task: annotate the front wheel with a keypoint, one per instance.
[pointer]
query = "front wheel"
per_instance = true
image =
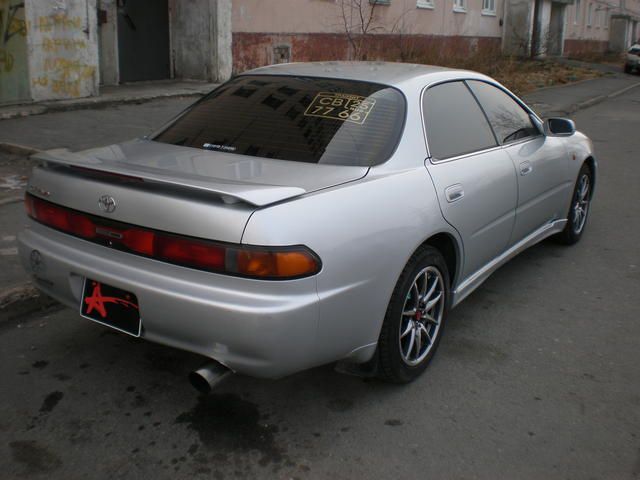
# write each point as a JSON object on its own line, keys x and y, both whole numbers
{"x": 415, "y": 317}
{"x": 580, "y": 207}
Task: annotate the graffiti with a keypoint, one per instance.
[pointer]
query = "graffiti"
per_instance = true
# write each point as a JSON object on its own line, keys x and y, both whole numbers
{"x": 59, "y": 21}
{"x": 63, "y": 67}
{"x": 56, "y": 44}
{"x": 11, "y": 24}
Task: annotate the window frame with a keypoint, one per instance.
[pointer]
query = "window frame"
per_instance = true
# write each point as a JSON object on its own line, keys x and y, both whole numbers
{"x": 491, "y": 10}
{"x": 434, "y": 161}
{"x": 460, "y": 6}
{"x": 518, "y": 102}
{"x": 425, "y": 4}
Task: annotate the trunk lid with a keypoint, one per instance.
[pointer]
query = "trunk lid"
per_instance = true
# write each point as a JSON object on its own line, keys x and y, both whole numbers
{"x": 178, "y": 189}
{"x": 232, "y": 177}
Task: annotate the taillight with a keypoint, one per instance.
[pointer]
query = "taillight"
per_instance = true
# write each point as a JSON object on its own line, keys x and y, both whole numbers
{"x": 240, "y": 260}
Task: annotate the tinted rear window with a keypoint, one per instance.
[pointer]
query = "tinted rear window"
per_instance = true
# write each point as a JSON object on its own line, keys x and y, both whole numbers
{"x": 301, "y": 119}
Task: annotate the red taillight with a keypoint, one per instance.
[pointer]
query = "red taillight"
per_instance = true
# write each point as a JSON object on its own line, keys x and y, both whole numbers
{"x": 246, "y": 261}
{"x": 190, "y": 253}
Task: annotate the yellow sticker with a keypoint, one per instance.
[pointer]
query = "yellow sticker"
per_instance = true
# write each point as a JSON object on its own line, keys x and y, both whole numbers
{"x": 340, "y": 106}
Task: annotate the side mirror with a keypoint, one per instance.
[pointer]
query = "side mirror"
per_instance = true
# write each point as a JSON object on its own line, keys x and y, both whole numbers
{"x": 559, "y": 127}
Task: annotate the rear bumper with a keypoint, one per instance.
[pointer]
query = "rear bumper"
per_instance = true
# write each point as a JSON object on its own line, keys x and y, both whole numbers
{"x": 255, "y": 327}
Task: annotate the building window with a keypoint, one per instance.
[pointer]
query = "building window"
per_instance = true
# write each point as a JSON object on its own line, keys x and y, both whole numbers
{"x": 424, "y": 4}
{"x": 489, "y": 7}
{"x": 460, "y": 6}
{"x": 607, "y": 16}
{"x": 576, "y": 20}
{"x": 589, "y": 14}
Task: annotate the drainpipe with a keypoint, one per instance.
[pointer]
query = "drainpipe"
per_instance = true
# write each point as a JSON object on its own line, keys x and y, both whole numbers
{"x": 535, "y": 33}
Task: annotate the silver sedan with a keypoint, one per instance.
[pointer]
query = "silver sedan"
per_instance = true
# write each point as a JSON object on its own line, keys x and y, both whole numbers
{"x": 309, "y": 213}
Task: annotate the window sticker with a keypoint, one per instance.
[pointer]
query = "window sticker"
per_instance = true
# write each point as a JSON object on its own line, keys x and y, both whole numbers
{"x": 340, "y": 106}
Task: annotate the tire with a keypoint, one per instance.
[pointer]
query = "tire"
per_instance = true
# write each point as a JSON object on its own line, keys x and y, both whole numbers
{"x": 627, "y": 68}
{"x": 580, "y": 201}
{"x": 399, "y": 362}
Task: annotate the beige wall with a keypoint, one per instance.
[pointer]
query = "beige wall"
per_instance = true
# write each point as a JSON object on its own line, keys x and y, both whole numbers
{"x": 402, "y": 16}
{"x": 578, "y": 28}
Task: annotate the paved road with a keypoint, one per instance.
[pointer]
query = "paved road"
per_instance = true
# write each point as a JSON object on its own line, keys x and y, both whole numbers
{"x": 537, "y": 378}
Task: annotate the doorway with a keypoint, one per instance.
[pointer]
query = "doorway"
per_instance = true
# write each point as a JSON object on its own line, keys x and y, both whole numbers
{"x": 143, "y": 40}
{"x": 555, "y": 38}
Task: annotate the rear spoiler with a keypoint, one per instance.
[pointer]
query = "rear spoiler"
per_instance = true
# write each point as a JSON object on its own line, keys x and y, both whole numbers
{"x": 229, "y": 192}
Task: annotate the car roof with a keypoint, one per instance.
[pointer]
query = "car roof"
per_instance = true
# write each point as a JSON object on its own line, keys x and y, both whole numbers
{"x": 389, "y": 73}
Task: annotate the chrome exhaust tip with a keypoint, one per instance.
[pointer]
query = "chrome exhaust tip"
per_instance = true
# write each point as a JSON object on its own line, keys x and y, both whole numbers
{"x": 208, "y": 376}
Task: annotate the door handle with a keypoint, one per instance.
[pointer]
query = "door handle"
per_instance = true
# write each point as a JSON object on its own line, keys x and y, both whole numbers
{"x": 454, "y": 193}
{"x": 525, "y": 167}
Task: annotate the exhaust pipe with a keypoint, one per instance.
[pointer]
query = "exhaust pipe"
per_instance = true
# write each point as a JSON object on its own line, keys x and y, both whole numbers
{"x": 208, "y": 376}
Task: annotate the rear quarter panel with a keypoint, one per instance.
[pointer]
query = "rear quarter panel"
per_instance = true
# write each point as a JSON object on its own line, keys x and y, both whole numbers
{"x": 364, "y": 234}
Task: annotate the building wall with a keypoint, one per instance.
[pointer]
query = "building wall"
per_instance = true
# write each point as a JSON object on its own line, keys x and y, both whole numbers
{"x": 108, "y": 43}
{"x": 14, "y": 68}
{"x": 62, "y": 44}
{"x": 303, "y": 30}
{"x": 587, "y": 26}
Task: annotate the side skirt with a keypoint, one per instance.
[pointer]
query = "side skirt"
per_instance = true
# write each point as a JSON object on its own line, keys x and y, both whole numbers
{"x": 475, "y": 280}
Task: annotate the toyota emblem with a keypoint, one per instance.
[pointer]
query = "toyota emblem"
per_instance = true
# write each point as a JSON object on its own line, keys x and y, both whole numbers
{"x": 107, "y": 204}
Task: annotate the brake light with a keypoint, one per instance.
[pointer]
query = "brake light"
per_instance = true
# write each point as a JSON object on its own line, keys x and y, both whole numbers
{"x": 247, "y": 261}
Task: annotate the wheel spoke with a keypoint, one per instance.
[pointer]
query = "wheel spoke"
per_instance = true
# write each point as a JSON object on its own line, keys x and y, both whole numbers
{"x": 430, "y": 319}
{"x": 409, "y": 313}
{"x": 407, "y": 330}
{"x": 417, "y": 295}
{"x": 411, "y": 342}
{"x": 418, "y": 341}
{"x": 426, "y": 332}
{"x": 433, "y": 302}
{"x": 423, "y": 290}
{"x": 431, "y": 290}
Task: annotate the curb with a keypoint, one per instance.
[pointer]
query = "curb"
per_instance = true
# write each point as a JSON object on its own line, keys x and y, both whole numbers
{"x": 23, "y": 300}
{"x": 88, "y": 103}
{"x": 9, "y": 201}
{"x": 594, "y": 101}
{"x": 17, "y": 149}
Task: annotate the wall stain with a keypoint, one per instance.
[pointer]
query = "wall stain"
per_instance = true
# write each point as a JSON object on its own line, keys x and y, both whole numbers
{"x": 230, "y": 424}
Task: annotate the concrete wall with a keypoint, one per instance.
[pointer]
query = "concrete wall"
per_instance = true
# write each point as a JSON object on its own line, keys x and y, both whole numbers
{"x": 108, "y": 43}
{"x": 201, "y": 39}
{"x": 518, "y": 27}
{"x": 14, "y": 70}
{"x": 63, "y": 48}
{"x": 580, "y": 29}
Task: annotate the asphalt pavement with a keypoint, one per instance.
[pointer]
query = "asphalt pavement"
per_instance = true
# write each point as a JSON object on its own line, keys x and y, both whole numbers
{"x": 537, "y": 377}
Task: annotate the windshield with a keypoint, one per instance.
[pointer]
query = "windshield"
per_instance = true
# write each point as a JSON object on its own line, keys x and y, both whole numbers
{"x": 302, "y": 119}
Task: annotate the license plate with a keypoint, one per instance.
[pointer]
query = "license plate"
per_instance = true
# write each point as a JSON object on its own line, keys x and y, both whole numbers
{"x": 111, "y": 306}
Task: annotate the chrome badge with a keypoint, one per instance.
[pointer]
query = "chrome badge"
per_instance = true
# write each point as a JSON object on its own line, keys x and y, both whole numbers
{"x": 107, "y": 204}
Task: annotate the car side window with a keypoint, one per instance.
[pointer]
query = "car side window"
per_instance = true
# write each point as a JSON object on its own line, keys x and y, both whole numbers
{"x": 509, "y": 120}
{"x": 454, "y": 122}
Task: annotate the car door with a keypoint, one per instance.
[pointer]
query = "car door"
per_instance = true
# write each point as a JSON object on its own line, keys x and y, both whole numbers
{"x": 474, "y": 178}
{"x": 541, "y": 162}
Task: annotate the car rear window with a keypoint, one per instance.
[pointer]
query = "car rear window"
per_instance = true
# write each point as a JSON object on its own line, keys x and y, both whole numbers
{"x": 302, "y": 119}
{"x": 635, "y": 51}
